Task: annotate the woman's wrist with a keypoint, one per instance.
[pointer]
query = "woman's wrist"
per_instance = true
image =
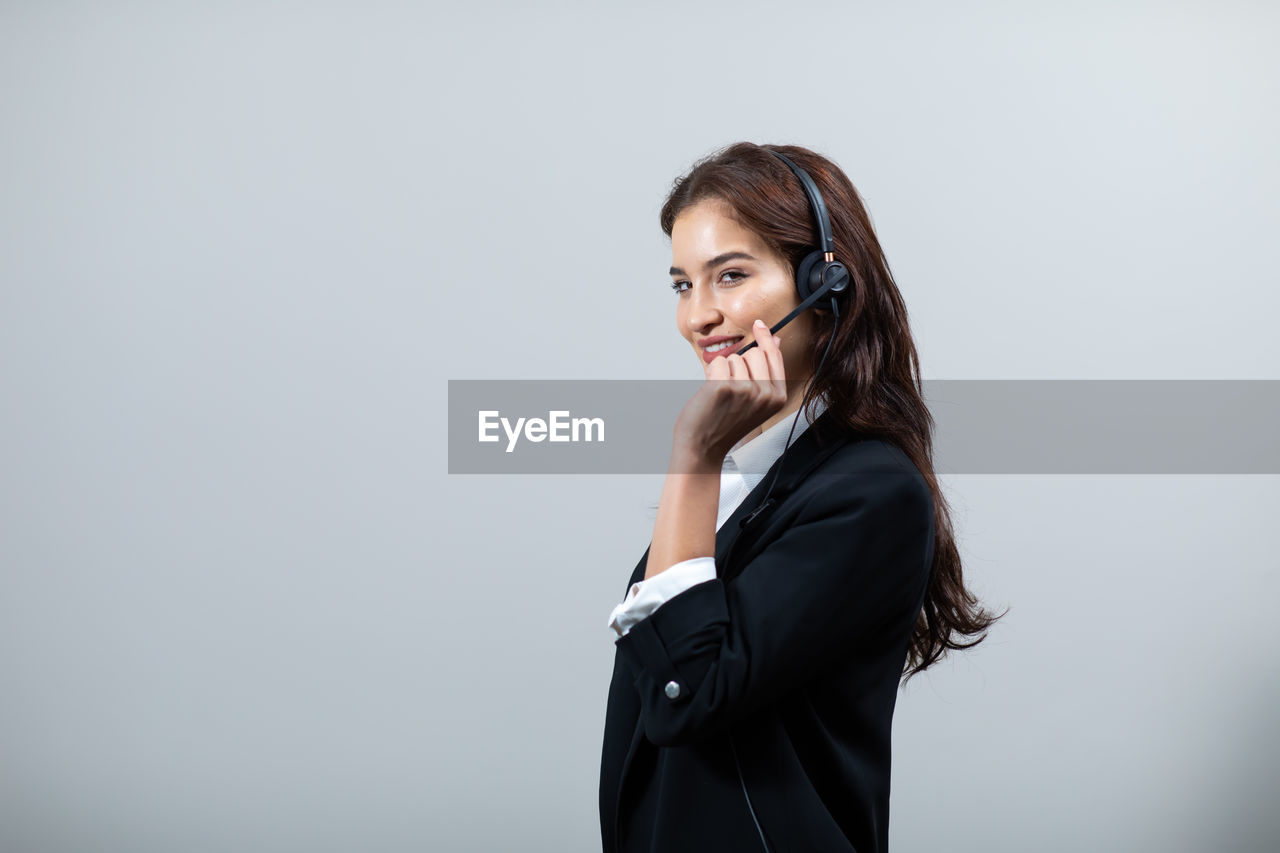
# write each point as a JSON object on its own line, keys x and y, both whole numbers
{"x": 692, "y": 460}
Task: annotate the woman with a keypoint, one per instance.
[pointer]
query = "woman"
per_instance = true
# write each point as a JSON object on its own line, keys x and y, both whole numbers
{"x": 802, "y": 554}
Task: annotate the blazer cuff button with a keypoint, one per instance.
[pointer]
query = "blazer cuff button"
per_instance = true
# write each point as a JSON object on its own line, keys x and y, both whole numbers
{"x": 672, "y": 690}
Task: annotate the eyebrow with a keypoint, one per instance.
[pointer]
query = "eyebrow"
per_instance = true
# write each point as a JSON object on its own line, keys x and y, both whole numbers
{"x": 717, "y": 260}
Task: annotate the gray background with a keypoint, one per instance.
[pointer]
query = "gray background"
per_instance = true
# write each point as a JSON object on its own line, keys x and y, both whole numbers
{"x": 243, "y": 247}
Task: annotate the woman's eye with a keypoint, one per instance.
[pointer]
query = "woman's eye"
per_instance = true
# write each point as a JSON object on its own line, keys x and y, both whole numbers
{"x": 677, "y": 286}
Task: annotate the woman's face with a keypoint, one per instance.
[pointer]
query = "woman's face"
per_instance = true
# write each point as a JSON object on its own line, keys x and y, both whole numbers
{"x": 725, "y": 278}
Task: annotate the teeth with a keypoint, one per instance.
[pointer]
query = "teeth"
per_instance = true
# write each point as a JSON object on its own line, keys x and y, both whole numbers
{"x": 720, "y": 346}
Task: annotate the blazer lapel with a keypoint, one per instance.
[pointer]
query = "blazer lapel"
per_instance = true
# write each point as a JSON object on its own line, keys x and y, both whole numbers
{"x": 814, "y": 445}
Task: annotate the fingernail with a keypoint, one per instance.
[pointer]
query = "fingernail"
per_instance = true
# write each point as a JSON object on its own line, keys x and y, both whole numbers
{"x": 777, "y": 340}
{"x": 759, "y": 322}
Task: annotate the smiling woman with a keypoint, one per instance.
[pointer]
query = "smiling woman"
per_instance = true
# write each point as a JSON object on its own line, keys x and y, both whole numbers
{"x": 738, "y": 279}
{"x": 789, "y": 586}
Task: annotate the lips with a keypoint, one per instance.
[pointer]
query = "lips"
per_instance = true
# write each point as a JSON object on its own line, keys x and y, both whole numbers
{"x": 722, "y": 347}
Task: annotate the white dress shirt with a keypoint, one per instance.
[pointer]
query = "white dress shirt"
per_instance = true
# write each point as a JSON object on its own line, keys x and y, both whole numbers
{"x": 744, "y": 467}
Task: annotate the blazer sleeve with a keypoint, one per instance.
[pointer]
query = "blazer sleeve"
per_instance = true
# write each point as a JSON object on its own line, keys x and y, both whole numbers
{"x": 853, "y": 557}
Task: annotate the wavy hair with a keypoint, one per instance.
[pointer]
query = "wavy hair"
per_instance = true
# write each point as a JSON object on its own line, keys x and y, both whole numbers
{"x": 871, "y": 377}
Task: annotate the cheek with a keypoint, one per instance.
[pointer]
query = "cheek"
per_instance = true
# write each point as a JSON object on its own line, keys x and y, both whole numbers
{"x": 744, "y": 309}
{"x": 795, "y": 338}
{"x": 782, "y": 297}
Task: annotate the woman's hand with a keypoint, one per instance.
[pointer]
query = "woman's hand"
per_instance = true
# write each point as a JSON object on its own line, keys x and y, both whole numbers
{"x": 722, "y": 412}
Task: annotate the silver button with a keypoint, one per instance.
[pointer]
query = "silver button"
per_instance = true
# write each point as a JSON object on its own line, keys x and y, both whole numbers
{"x": 672, "y": 689}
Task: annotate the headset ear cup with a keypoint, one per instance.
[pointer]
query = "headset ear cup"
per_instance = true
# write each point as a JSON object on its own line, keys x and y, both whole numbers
{"x": 810, "y": 273}
{"x": 838, "y": 275}
{"x": 810, "y": 269}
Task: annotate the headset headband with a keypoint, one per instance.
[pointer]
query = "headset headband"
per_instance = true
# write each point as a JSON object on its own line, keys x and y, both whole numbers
{"x": 825, "y": 240}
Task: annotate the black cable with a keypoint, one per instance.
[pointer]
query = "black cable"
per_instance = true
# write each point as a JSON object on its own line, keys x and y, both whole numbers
{"x": 835, "y": 310}
{"x": 763, "y": 840}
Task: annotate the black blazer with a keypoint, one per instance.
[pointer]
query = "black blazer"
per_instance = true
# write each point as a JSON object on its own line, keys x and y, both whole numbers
{"x": 791, "y": 658}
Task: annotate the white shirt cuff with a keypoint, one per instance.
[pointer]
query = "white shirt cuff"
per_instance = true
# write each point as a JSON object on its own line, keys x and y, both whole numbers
{"x": 648, "y": 595}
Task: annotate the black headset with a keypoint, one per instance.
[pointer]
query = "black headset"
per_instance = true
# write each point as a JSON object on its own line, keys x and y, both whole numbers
{"x": 818, "y": 275}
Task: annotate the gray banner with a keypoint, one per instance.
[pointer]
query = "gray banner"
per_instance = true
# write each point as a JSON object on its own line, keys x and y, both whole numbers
{"x": 982, "y": 426}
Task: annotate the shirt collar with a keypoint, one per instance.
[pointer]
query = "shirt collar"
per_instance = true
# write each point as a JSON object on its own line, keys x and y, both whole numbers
{"x": 754, "y": 458}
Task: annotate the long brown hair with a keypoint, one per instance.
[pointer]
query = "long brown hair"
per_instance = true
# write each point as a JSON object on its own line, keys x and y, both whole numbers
{"x": 871, "y": 376}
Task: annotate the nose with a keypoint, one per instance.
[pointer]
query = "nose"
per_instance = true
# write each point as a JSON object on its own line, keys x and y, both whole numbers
{"x": 703, "y": 310}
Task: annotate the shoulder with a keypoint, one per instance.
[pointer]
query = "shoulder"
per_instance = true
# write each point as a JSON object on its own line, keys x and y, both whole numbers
{"x": 862, "y": 467}
{"x": 871, "y": 454}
